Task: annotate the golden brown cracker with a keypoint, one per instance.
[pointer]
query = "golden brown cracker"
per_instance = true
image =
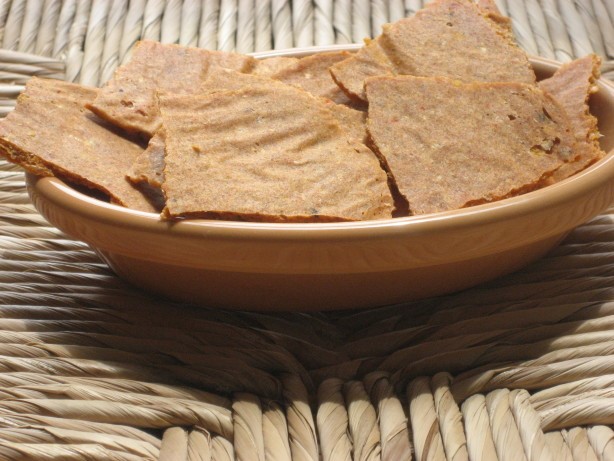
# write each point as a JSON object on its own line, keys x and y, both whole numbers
{"x": 51, "y": 133}
{"x": 266, "y": 154}
{"x": 269, "y": 66}
{"x": 311, "y": 73}
{"x": 148, "y": 167}
{"x": 128, "y": 99}
{"x": 449, "y": 144}
{"x": 571, "y": 86}
{"x": 449, "y": 38}
{"x": 352, "y": 120}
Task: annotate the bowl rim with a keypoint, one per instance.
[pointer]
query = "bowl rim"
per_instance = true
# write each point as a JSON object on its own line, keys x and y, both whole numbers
{"x": 556, "y": 194}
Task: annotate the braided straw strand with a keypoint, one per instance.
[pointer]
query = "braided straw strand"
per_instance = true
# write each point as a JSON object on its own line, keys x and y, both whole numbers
{"x": 342, "y": 21}
{"x": 601, "y": 439}
{"x": 245, "y": 26}
{"x": 333, "y": 423}
{"x": 395, "y": 438}
{"x": 190, "y": 19}
{"x": 13, "y": 25}
{"x": 301, "y": 425}
{"x": 275, "y": 433}
{"x": 450, "y": 419}
{"x": 606, "y": 26}
{"x": 94, "y": 43}
{"x": 528, "y": 422}
{"x": 579, "y": 39}
{"x": 396, "y": 10}
{"x": 207, "y": 35}
{"x": 428, "y": 443}
{"x": 480, "y": 444}
{"x": 560, "y": 39}
{"x": 174, "y": 444}
{"x": 227, "y": 26}
{"x": 362, "y": 418}
{"x": 152, "y": 20}
{"x": 247, "y": 419}
{"x": 522, "y": 28}
{"x": 171, "y": 22}
{"x": 47, "y": 28}
{"x": 577, "y": 440}
{"x": 114, "y": 29}
{"x": 222, "y": 449}
{"x": 361, "y": 21}
{"x": 31, "y": 24}
{"x": 65, "y": 20}
{"x": 282, "y": 24}
{"x": 558, "y": 447}
{"x": 587, "y": 15}
{"x": 539, "y": 27}
{"x": 199, "y": 445}
{"x": 4, "y": 11}
{"x": 76, "y": 39}
{"x": 323, "y": 22}
{"x": 506, "y": 435}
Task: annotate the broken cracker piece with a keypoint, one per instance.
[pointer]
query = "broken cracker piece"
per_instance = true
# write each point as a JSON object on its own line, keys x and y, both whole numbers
{"x": 448, "y": 38}
{"x": 312, "y": 74}
{"x": 571, "y": 86}
{"x": 352, "y": 120}
{"x": 448, "y": 144}
{"x": 149, "y": 165}
{"x": 51, "y": 133}
{"x": 269, "y": 66}
{"x": 266, "y": 154}
{"x": 128, "y": 100}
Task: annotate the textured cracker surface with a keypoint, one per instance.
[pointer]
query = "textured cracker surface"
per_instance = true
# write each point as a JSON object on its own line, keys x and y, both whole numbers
{"x": 128, "y": 100}
{"x": 450, "y": 145}
{"x": 571, "y": 86}
{"x": 448, "y": 38}
{"x": 149, "y": 165}
{"x": 274, "y": 154}
{"x": 312, "y": 74}
{"x": 269, "y": 66}
{"x": 352, "y": 120}
{"x": 51, "y": 132}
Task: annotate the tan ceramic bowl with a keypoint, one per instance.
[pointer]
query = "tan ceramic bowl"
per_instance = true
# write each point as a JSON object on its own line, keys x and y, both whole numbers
{"x": 334, "y": 266}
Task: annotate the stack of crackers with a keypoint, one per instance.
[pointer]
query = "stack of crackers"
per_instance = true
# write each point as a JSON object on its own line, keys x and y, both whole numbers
{"x": 441, "y": 111}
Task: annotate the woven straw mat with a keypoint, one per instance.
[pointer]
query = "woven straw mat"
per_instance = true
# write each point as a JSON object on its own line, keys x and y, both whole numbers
{"x": 92, "y": 369}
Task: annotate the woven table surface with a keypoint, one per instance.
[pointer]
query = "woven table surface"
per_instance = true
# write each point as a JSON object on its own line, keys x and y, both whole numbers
{"x": 521, "y": 368}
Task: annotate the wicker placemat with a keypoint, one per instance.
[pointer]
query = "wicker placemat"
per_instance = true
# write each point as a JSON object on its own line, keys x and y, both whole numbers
{"x": 90, "y": 368}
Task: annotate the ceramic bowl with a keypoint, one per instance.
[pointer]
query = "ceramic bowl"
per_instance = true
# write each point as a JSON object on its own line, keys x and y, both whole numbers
{"x": 259, "y": 266}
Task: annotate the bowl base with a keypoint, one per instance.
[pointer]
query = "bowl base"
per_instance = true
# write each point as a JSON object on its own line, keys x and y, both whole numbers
{"x": 318, "y": 292}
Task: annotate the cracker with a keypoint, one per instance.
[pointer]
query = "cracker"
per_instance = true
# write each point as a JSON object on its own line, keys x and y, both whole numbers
{"x": 448, "y": 38}
{"x": 504, "y": 24}
{"x": 128, "y": 99}
{"x": 269, "y": 66}
{"x": 149, "y": 165}
{"x": 351, "y": 120}
{"x": 266, "y": 154}
{"x": 571, "y": 86}
{"x": 51, "y": 133}
{"x": 450, "y": 145}
{"x": 312, "y": 74}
